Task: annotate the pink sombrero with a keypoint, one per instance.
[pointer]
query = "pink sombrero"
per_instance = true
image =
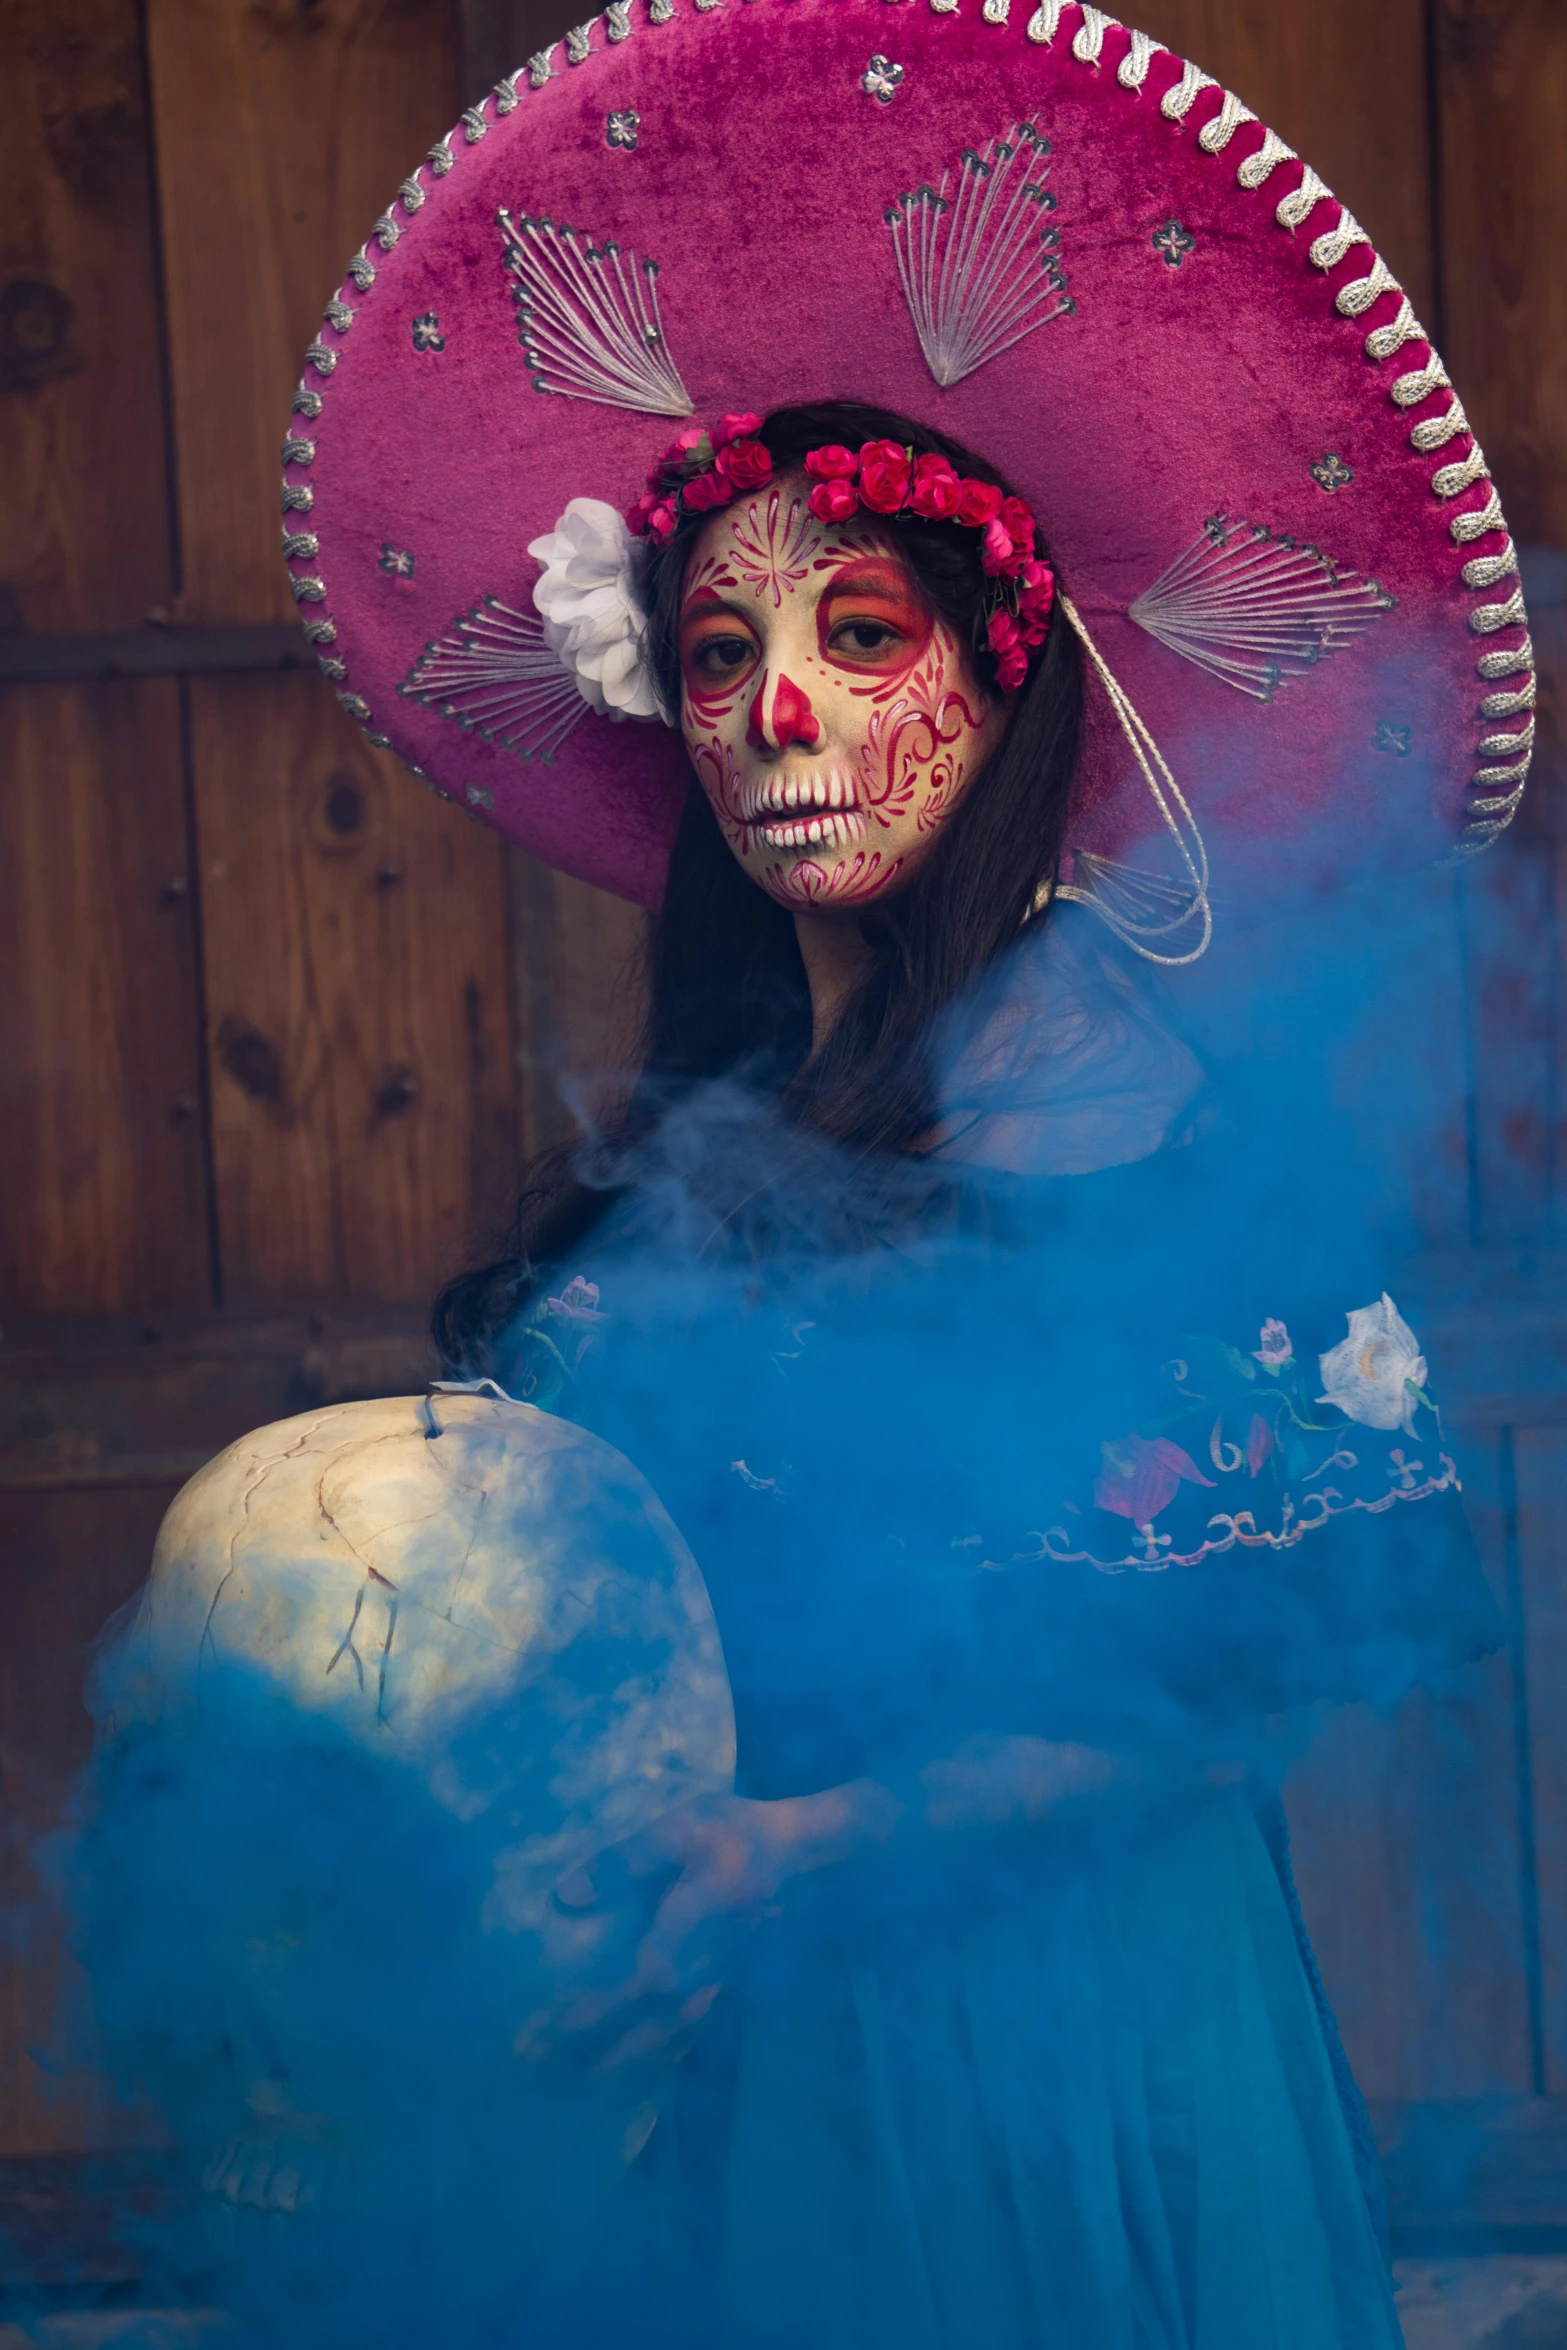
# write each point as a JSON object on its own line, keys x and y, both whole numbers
{"x": 1041, "y": 233}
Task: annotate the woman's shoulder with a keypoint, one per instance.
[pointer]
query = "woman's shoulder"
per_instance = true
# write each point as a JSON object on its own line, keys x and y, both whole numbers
{"x": 1067, "y": 1065}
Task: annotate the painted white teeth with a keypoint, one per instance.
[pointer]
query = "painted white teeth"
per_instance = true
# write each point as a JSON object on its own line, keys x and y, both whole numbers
{"x": 828, "y": 832}
{"x": 831, "y": 795}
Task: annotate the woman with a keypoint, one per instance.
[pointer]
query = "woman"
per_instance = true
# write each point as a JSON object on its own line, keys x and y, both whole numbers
{"x": 974, "y": 2006}
{"x": 893, "y": 2127}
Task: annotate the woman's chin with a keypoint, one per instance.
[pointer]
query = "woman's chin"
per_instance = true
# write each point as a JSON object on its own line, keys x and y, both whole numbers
{"x": 821, "y": 881}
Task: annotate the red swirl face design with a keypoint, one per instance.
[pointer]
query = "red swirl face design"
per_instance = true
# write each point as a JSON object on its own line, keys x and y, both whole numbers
{"x": 832, "y": 720}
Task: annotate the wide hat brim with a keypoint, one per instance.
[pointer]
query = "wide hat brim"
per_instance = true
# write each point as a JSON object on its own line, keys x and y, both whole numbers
{"x": 1221, "y": 409}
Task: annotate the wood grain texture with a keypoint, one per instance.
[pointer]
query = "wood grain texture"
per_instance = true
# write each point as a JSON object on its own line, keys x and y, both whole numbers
{"x": 578, "y": 951}
{"x": 84, "y": 526}
{"x": 67, "y": 1561}
{"x": 1512, "y": 948}
{"x": 1541, "y": 1472}
{"x": 102, "y": 1171}
{"x": 1345, "y": 84}
{"x": 93, "y": 1400}
{"x": 283, "y": 128}
{"x": 360, "y": 1038}
{"x": 499, "y": 35}
{"x": 1502, "y": 102}
{"x": 1407, "y": 1856}
{"x": 580, "y": 975}
{"x": 1407, "y": 1863}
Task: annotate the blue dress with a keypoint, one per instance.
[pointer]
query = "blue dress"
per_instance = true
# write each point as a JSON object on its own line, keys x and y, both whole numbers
{"x": 1079, "y": 2094}
{"x": 1070, "y": 2086}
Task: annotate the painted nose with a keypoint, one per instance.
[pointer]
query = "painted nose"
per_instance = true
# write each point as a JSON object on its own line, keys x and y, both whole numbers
{"x": 790, "y": 719}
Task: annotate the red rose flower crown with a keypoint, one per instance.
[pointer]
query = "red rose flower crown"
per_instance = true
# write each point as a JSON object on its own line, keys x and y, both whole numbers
{"x": 706, "y": 467}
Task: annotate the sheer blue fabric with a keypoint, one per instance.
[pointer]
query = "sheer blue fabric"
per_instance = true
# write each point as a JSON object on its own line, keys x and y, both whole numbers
{"x": 1080, "y": 2097}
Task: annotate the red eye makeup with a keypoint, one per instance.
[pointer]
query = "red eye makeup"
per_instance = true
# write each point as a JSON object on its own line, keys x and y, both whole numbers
{"x": 870, "y": 617}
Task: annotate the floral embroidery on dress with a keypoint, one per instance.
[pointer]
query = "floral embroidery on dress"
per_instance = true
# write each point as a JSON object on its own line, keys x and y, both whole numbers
{"x": 1376, "y": 1375}
{"x": 1253, "y": 1417}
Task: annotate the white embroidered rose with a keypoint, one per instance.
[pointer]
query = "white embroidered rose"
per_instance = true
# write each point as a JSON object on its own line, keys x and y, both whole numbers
{"x": 587, "y": 600}
{"x": 1370, "y": 1373}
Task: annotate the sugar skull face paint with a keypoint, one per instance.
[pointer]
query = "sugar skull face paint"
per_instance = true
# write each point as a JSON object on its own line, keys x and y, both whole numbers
{"x": 832, "y": 719}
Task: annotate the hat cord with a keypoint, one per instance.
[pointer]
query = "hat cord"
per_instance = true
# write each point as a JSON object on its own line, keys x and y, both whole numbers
{"x": 1138, "y": 916}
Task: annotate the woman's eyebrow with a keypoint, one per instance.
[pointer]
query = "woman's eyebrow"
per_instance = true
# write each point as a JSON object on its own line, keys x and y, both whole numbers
{"x": 868, "y": 576}
{"x": 704, "y": 600}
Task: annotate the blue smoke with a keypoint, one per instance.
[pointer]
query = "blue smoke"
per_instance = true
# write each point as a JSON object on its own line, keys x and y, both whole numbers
{"x": 999, "y": 1506}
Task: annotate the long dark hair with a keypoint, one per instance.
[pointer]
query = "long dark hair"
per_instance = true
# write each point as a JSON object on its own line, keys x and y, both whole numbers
{"x": 727, "y": 994}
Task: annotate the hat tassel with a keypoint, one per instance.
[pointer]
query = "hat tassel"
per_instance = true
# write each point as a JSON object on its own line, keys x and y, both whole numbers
{"x": 1140, "y": 906}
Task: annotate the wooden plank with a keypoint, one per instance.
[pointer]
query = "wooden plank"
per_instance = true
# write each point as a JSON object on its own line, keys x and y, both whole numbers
{"x": 1405, "y": 1833}
{"x": 1502, "y": 67}
{"x": 358, "y": 989}
{"x": 1541, "y": 1470}
{"x": 1502, "y": 92}
{"x": 580, "y": 973}
{"x": 84, "y": 526}
{"x": 102, "y": 1169}
{"x": 100, "y": 1399}
{"x": 1345, "y": 85}
{"x": 282, "y": 133}
{"x": 101, "y": 655}
{"x": 67, "y": 1561}
{"x": 578, "y": 950}
{"x": 1480, "y": 2175}
{"x": 499, "y": 35}
{"x": 363, "y": 1068}
{"x": 99, "y": 1074}
{"x": 1509, "y": 901}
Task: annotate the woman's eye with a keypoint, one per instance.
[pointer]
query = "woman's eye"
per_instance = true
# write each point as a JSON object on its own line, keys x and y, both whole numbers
{"x": 721, "y": 656}
{"x": 865, "y": 637}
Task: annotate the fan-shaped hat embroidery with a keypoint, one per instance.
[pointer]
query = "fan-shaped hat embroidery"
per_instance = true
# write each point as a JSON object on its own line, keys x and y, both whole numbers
{"x": 980, "y": 268}
{"x": 496, "y": 675}
{"x": 588, "y": 319}
{"x": 1255, "y": 609}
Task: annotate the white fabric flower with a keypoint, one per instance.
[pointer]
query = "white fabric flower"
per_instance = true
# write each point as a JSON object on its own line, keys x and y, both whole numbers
{"x": 587, "y": 600}
{"x": 1369, "y": 1373}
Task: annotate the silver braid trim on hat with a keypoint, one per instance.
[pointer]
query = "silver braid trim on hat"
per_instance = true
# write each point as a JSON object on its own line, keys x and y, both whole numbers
{"x": 1413, "y": 387}
{"x": 1134, "y": 65}
{"x": 1091, "y": 33}
{"x": 1045, "y": 22}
